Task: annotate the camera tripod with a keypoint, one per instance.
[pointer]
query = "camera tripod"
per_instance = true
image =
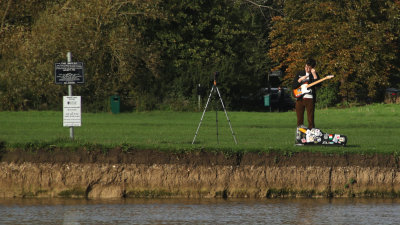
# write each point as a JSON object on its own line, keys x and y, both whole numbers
{"x": 215, "y": 89}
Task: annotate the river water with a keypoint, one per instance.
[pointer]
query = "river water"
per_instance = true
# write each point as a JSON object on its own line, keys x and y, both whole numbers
{"x": 208, "y": 211}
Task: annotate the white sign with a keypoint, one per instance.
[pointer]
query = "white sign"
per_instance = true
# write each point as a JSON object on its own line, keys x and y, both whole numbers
{"x": 72, "y": 111}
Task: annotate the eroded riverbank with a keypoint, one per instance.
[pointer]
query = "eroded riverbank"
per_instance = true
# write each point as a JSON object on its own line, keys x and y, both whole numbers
{"x": 146, "y": 173}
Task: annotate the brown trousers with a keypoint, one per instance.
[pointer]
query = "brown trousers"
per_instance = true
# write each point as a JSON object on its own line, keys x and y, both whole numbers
{"x": 308, "y": 105}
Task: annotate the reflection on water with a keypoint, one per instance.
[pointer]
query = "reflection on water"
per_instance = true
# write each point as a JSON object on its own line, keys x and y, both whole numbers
{"x": 209, "y": 211}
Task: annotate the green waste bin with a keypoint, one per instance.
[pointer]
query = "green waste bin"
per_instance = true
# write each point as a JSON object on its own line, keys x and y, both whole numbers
{"x": 115, "y": 102}
{"x": 266, "y": 100}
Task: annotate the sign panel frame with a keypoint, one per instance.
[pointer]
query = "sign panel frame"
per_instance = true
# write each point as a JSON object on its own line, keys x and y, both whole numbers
{"x": 69, "y": 73}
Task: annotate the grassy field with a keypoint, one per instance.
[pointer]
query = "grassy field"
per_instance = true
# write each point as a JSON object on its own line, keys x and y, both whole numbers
{"x": 370, "y": 129}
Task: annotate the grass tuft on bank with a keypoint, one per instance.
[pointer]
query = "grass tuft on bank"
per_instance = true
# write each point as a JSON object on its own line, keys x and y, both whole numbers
{"x": 370, "y": 129}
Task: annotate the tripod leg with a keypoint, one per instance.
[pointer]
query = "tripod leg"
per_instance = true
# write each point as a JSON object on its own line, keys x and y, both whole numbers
{"x": 205, "y": 108}
{"x": 226, "y": 114}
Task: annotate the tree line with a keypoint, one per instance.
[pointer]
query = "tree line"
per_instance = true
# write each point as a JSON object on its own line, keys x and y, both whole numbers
{"x": 155, "y": 53}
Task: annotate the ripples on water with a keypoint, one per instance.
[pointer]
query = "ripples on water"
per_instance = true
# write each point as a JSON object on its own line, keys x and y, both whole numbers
{"x": 183, "y": 211}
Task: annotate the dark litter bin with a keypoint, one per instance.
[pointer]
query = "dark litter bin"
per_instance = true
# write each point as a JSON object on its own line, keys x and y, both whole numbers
{"x": 115, "y": 102}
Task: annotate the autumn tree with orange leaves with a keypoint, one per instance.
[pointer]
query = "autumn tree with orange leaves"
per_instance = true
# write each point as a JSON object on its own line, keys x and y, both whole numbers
{"x": 357, "y": 41}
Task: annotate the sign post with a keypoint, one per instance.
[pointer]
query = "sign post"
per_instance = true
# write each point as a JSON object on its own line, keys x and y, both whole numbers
{"x": 70, "y": 73}
{"x": 71, "y": 128}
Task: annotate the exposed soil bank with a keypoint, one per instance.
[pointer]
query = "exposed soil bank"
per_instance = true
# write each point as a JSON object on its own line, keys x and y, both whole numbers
{"x": 147, "y": 173}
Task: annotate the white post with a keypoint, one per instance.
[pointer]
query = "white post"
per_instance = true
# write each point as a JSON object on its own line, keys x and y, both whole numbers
{"x": 71, "y": 129}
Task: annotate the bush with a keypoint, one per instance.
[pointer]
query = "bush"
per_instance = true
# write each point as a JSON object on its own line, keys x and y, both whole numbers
{"x": 328, "y": 95}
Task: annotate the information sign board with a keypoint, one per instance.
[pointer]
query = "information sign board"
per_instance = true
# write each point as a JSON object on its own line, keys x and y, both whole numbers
{"x": 69, "y": 73}
{"x": 72, "y": 111}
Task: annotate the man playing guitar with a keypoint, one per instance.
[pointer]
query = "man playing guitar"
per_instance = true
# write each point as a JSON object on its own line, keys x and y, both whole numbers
{"x": 306, "y": 101}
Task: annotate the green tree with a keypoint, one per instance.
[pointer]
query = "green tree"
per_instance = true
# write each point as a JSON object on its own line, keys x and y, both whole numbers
{"x": 16, "y": 19}
{"x": 98, "y": 33}
{"x": 152, "y": 53}
{"x": 202, "y": 37}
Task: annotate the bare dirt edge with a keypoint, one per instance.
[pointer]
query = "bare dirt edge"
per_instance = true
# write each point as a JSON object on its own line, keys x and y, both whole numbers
{"x": 197, "y": 158}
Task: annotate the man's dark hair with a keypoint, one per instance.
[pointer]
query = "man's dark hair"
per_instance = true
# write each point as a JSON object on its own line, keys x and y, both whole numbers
{"x": 311, "y": 62}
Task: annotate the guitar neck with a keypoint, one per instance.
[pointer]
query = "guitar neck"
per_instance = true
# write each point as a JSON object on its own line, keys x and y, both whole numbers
{"x": 317, "y": 82}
